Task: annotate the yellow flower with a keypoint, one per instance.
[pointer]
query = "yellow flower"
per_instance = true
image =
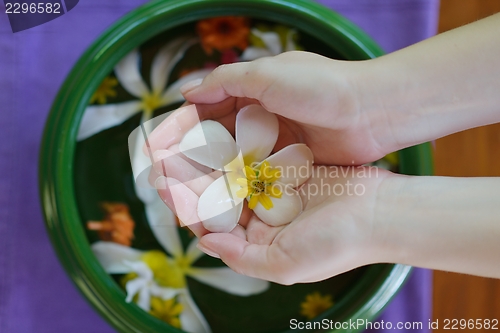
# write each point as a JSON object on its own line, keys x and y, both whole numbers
{"x": 166, "y": 310}
{"x": 392, "y": 158}
{"x": 150, "y": 102}
{"x": 105, "y": 90}
{"x": 167, "y": 272}
{"x": 315, "y": 304}
{"x": 258, "y": 185}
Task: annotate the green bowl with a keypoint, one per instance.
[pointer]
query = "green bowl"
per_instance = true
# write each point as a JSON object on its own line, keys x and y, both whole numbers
{"x": 71, "y": 180}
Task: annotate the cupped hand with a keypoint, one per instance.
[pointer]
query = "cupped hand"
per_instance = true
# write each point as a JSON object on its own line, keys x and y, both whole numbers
{"x": 317, "y": 99}
{"x": 336, "y": 232}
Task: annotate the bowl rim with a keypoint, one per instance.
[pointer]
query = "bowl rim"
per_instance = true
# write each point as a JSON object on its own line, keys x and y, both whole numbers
{"x": 57, "y": 151}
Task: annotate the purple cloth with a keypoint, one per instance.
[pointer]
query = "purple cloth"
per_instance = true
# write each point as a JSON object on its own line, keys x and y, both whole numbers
{"x": 35, "y": 293}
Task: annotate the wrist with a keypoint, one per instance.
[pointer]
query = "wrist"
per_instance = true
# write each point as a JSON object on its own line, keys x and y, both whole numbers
{"x": 389, "y": 219}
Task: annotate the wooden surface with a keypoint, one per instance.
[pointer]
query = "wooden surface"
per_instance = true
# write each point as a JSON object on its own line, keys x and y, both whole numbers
{"x": 474, "y": 152}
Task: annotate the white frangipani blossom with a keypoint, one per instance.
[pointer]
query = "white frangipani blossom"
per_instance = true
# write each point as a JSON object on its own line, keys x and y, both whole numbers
{"x": 119, "y": 259}
{"x": 273, "y": 45}
{"x": 267, "y": 182}
{"x": 100, "y": 117}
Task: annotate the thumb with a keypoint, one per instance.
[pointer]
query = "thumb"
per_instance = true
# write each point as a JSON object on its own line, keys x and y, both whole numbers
{"x": 245, "y": 79}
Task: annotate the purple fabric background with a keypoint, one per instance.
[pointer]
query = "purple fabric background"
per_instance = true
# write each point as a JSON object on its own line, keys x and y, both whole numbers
{"x": 35, "y": 293}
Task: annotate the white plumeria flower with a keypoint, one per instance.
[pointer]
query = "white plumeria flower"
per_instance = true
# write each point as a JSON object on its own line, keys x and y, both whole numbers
{"x": 267, "y": 182}
{"x": 119, "y": 259}
{"x": 273, "y": 45}
{"x": 100, "y": 117}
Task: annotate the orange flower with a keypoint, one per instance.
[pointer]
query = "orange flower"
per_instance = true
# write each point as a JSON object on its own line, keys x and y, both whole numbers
{"x": 223, "y": 33}
{"x": 117, "y": 226}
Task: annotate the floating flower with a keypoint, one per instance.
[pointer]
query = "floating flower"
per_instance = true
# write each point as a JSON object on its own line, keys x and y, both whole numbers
{"x": 267, "y": 182}
{"x": 223, "y": 33}
{"x": 100, "y": 117}
{"x": 155, "y": 274}
{"x": 268, "y": 43}
{"x": 388, "y": 162}
{"x": 105, "y": 90}
{"x": 117, "y": 226}
{"x": 315, "y": 304}
{"x": 166, "y": 310}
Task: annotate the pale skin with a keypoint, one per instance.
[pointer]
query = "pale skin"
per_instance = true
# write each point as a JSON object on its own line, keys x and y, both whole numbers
{"x": 353, "y": 113}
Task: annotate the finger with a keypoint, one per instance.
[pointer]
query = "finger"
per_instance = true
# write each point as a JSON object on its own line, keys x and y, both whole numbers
{"x": 246, "y": 214}
{"x": 266, "y": 262}
{"x": 227, "y": 107}
{"x": 245, "y": 79}
{"x": 184, "y": 205}
{"x": 175, "y": 126}
{"x": 174, "y": 166}
{"x": 260, "y": 233}
{"x": 198, "y": 229}
{"x": 176, "y": 150}
{"x": 172, "y": 129}
{"x": 167, "y": 162}
{"x": 179, "y": 198}
{"x": 240, "y": 232}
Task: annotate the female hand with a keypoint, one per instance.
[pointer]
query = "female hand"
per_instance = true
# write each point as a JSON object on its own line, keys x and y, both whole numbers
{"x": 335, "y": 233}
{"x": 316, "y": 98}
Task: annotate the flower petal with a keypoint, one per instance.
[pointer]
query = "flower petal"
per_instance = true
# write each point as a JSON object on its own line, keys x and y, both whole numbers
{"x": 142, "y": 164}
{"x": 166, "y": 58}
{"x": 128, "y": 73}
{"x": 210, "y": 144}
{"x": 193, "y": 253}
{"x": 173, "y": 94}
{"x": 112, "y": 256}
{"x": 191, "y": 318}
{"x": 163, "y": 292}
{"x": 164, "y": 227}
{"x": 144, "y": 299}
{"x": 271, "y": 39}
{"x": 97, "y": 118}
{"x": 284, "y": 210}
{"x": 226, "y": 279}
{"x": 256, "y": 132}
{"x": 141, "y": 268}
{"x": 219, "y": 208}
{"x": 181, "y": 198}
{"x": 295, "y": 163}
{"x": 252, "y": 53}
{"x": 290, "y": 44}
{"x": 133, "y": 287}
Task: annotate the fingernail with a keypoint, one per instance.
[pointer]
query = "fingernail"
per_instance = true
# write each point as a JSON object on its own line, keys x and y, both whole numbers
{"x": 207, "y": 251}
{"x": 190, "y": 86}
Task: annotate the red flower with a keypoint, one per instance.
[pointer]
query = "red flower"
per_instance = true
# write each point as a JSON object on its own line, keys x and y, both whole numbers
{"x": 223, "y": 33}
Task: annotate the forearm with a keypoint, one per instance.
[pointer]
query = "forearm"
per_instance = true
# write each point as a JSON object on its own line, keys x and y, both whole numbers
{"x": 442, "y": 85}
{"x": 441, "y": 223}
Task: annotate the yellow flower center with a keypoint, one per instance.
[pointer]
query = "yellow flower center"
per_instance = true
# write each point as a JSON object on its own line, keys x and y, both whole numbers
{"x": 151, "y": 102}
{"x": 259, "y": 185}
{"x": 166, "y": 310}
{"x": 105, "y": 90}
{"x": 167, "y": 272}
{"x": 315, "y": 304}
